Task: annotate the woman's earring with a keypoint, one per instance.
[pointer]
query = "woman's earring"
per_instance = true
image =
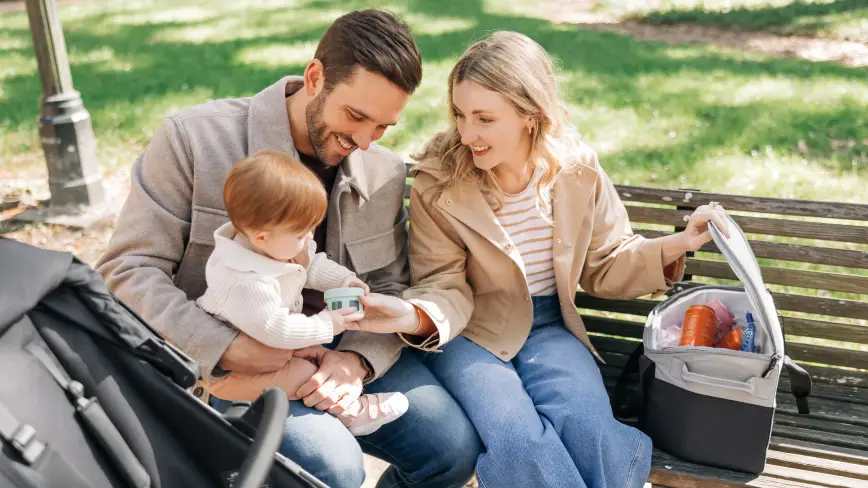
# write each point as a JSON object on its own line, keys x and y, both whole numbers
{"x": 530, "y": 129}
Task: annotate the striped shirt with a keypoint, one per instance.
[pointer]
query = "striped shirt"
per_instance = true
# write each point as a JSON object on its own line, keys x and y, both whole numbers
{"x": 530, "y": 228}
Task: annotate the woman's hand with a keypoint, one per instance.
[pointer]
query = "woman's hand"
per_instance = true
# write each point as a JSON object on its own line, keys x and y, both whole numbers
{"x": 696, "y": 234}
{"x": 387, "y": 315}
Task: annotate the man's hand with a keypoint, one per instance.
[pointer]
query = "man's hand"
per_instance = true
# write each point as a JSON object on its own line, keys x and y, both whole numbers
{"x": 337, "y": 383}
{"x": 248, "y": 355}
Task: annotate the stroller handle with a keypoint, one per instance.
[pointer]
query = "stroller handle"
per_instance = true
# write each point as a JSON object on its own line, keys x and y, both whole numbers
{"x": 269, "y": 433}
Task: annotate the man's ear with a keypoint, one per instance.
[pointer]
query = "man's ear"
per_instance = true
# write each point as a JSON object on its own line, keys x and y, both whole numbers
{"x": 314, "y": 78}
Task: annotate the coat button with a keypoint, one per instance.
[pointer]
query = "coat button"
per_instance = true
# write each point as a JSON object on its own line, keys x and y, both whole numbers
{"x": 448, "y": 202}
{"x": 559, "y": 240}
{"x": 297, "y": 303}
{"x": 504, "y": 353}
{"x": 508, "y": 245}
{"x": 198, "y": 391}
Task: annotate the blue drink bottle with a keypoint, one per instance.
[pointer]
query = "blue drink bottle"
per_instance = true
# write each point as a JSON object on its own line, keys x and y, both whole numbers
{"x": 748, "y": 339}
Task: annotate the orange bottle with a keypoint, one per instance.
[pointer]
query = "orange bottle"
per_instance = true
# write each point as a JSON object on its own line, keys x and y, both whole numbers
{"x": 733, "y": 339}
{"x": 698, "y": 326}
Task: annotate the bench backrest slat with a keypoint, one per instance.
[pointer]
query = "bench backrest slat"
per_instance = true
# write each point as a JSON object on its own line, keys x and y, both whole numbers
{"x": 790, "y": 252}
{"x": 783, "y": 276}
{"x": 759, "y": 225}
{"x": 780, "y": 206}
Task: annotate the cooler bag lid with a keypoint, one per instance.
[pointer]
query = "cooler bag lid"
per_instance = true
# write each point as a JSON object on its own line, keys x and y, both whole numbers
{"x": 741, "y": 259}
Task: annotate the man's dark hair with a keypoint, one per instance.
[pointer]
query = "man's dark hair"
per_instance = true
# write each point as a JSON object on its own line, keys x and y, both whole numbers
{"x": 375, "y": 40}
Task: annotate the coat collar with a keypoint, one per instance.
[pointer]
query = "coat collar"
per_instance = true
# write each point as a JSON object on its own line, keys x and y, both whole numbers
{"x": 353, "y": 172}
{"x": 268, "y": 128}
{"x": 268, "y": 120}
{"x": 573, "y": 190}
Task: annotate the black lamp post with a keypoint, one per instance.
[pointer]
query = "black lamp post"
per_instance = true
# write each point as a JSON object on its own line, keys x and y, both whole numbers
{"x": 64, "y": 124}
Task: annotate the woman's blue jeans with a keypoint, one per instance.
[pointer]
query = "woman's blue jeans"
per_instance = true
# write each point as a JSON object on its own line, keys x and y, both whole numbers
{"x": 544, "y": 417}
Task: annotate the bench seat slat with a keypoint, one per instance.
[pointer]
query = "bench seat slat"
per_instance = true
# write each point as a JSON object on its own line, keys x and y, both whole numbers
{"x": 668, "y": 471}
{"x": 781, "y": 206}
{"x": 758, "y": 225}
{"x": 783, "y": 276}
{"x": 818, "y": 465}
{"x": 807, "y": 475}
{"x": 852, "y": 456}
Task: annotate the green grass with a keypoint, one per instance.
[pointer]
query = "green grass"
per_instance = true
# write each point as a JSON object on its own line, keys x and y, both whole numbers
{"x": 668, "y": 116}
{"x": 839, "y": 19}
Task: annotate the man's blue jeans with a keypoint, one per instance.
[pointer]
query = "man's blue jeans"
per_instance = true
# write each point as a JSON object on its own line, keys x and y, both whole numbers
{"x": 433, "y": 445}
{"x": 544, "y": 417}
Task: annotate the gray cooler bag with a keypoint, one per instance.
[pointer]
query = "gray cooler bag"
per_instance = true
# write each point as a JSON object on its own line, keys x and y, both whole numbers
{"x": 707, "y": 405}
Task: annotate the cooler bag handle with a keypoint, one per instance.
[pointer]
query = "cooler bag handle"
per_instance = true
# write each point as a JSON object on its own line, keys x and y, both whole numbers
{"x": 680, "y": 370}
{"x": 800, "y": 380}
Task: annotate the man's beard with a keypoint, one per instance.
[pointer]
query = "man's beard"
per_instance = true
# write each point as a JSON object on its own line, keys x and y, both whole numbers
{"x": 317, "y": 130}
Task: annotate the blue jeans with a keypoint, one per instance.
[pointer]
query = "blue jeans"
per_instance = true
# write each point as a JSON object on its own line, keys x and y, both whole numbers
{"x": 544, "y": 417}
{"x": 433, "y": 445}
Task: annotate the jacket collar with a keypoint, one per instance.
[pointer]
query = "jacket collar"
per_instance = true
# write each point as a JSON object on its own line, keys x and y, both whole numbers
{"x": 353, "y": 172}
{"x": 268, "y": 121}
{"x": 234, "y": 251}
{"x": 573, "y": 190}
{"x": 268, "y": 128}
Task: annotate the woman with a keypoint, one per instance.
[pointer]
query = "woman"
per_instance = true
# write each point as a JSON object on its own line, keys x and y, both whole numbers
{"x": 510, "y": 212}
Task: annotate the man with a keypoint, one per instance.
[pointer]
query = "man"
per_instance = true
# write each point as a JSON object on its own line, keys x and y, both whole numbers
{"x": 365, "y": 68}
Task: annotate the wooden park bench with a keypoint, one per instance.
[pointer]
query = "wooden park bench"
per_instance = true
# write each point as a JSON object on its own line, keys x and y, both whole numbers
{"x": 828, "y": 447}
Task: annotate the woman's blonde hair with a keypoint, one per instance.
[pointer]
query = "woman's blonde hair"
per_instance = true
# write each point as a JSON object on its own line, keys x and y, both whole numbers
{"x": 518, "y": 68}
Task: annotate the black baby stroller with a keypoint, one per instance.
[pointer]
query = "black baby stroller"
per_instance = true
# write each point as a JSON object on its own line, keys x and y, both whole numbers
{"x": 90, "y": 396}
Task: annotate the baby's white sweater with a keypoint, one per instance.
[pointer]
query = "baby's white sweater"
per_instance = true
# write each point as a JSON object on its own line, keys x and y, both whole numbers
{"x": 262, "y": 297}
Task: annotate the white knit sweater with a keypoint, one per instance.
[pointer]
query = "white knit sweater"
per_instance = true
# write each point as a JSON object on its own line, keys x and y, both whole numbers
{"x": 262, "y": 297}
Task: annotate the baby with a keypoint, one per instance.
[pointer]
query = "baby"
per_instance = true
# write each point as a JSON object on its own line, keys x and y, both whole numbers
{"x": 262, "y": 260}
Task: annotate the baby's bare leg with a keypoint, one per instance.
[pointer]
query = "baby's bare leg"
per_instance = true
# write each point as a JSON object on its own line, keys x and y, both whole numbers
{"x": 244, "y": 386}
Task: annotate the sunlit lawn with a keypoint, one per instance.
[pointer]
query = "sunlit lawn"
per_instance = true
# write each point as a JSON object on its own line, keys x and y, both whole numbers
{"x": 670, "y": 116}
{"x": 837, "y": 19}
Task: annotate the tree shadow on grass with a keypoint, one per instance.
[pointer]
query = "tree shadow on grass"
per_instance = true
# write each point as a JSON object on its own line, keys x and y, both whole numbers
{"x": 798, "y": 16}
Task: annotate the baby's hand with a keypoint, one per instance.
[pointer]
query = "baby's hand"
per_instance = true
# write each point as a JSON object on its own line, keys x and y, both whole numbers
{"x": 344, "y": 319}
{"x": 355, "y": 282}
